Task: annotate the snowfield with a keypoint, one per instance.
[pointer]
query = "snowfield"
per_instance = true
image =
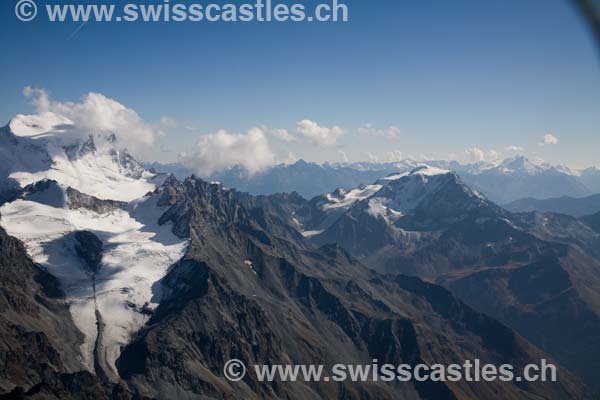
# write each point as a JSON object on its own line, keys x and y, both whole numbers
{"x": 351, "y": 197}
{"x": 96, "y": 175}
{"x": 137, "y": 254}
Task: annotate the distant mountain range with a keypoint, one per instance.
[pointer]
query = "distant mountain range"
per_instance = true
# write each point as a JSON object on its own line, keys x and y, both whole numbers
{"x": 502, "y": 182}
{"x": 306, "y": 178}
{"x": 576, "y": 207}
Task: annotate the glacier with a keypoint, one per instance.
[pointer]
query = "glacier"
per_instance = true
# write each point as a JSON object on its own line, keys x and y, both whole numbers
{"x": 137, "y": 251}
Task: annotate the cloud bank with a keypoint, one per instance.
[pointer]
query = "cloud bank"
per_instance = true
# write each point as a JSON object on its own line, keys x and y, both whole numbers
{"x": 98, "y": 113}
{"x": 283, "y": 134}
{"x": 222, "y": 150}
{"x": 319, "y": 135}
{"x": 393, "y": 156}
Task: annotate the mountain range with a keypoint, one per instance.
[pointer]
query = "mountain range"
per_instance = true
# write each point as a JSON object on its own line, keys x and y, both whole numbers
{"x": 576, "y": 207}
{"x": 121, "y": 282}
{"x": 532, "y": 271}
{"x": 501, "y": 181}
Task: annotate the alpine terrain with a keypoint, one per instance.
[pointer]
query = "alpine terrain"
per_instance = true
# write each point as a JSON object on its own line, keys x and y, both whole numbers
{"x": 535, "y": 272}
{"x": 121, "y": 283}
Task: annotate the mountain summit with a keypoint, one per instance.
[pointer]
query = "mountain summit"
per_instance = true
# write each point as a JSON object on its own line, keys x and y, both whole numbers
{"x": 49, "y": 146}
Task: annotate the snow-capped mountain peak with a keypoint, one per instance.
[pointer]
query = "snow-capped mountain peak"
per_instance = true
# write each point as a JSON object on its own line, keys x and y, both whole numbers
{"x": 419, "y": 176}
{"x": 403, "y": 195}
{"x": 520, "y": 164}
{"x": 50, "y": 146}
{"x": 396, "y": 196}
{"x": 39, "y": 125}
{"x": 427, "y": 170}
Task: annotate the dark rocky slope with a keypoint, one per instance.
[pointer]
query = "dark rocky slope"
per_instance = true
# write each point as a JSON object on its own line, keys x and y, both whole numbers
{"x": 252, "y": 288}
{"x": 532, "y": 271}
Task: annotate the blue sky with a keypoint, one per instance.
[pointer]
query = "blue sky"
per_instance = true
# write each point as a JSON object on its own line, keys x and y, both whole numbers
{"x": 449, "y": 75}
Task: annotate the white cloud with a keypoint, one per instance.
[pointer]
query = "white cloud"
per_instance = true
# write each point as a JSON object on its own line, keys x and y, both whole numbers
{"x": 391, "y": 132}
{"x": 492, "y": 155}
{"x": 393, "y": 156}
{"x": 96, "y": 112}
{"x": 222, "y": 150}
{"x": 319, "y": 135}
{"x": 39, "y": 97}
{"x": 343, "y": 156}
{"x": 548, "y": 139}
{"x": 475, "y": 154}
{"x": 291, "y": 158}
{"x": 283, "y": 134}
{"x": 514, "y": 148}
{"x": 372, "y": 157}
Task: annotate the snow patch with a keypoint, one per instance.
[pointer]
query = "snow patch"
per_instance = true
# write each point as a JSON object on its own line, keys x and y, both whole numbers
{"x": 378, "y": 207}
{"x": 250, "y": 265}
{"x": 311, "y": 233}
{"x": 347, "y": 199}
{"x": 395, "y": 177}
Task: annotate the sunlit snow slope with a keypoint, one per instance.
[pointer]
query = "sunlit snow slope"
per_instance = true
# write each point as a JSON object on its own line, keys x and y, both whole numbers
{"x": 34, "y": 147}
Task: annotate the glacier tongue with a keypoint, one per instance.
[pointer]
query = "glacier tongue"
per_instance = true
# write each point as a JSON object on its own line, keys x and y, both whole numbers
{"x": 137, "y": 254}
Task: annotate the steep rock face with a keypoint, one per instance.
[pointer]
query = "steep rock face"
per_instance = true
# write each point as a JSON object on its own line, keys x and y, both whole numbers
{"x": 89, "y": 248}
{"x": 256, "y": 292}
{"x": 38, "y": 336}
{"x": 77, "y": 200}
